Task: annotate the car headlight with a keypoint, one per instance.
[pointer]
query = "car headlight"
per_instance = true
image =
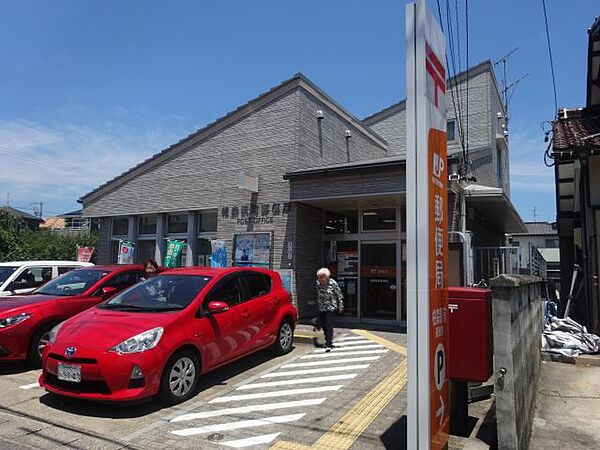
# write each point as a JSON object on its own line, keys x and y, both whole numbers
{"x": 54, "y": 332}
{"x": 139, "y": 343}
{"x": 13, "y": 320}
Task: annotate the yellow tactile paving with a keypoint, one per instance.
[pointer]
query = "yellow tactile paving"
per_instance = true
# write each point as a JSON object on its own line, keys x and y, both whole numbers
{"x": 342, "y": 435}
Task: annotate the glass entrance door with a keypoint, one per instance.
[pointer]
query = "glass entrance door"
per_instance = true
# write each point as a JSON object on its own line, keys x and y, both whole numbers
{"x": 379, "y": 287}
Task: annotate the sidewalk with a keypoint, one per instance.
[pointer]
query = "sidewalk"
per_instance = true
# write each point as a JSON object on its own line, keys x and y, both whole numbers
{"x": 567, "y": 408}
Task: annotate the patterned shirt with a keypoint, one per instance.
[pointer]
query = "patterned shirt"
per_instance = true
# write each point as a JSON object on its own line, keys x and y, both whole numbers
{"x": 329, "y": 296}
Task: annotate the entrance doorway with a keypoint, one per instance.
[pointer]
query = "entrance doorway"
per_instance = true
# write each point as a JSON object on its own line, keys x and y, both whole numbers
{"x": 379, "y": 283}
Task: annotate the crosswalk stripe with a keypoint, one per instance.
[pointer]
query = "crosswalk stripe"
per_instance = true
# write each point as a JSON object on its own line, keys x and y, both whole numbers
{"x": 335, "y": 354}
{"x": 331, "y": 362}
{"x": 30, "y": 386}
{"x": 232, "y": 398}
{"x": 238, "y": 425}
{"x": 352, "y": 338}
{"x": 319, "y": 370}
{"x": 345, "y": 349}
{"x": 256, "y": 440}
{"x": 247, "y": 409}
{"x": 353, "y": 343}
{"x": 347, "y": 376}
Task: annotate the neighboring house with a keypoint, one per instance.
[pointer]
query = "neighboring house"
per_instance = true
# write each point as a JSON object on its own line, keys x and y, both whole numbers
{"x": 540, "y": 240}
{"x": 576, "y": 154}
{"x": 293, "y": 181}
{"x": 69, "y": 223}
{"x": 32, "y": 222}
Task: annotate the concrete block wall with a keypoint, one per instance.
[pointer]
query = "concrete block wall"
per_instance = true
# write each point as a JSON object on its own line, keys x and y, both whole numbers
{"x": 517, "y": 322}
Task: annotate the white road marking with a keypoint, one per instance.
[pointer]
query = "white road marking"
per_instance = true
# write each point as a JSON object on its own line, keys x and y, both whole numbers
{"x": 241, "y": 443}
{"x": 330, "y": 354}
{"x": 247, "y": 409}
{"x": 353, "y": 343}
{"x": 352, "y": 338}
{"x": 356, "y": 347}
{"x": 238, "y": 425}
{"x": 298, "y": 381}
{"x": 30, "y": 386}
{"x": 232, "y": 398}
{"x": 319, "y": 370}
{"x": 331, "y": 361}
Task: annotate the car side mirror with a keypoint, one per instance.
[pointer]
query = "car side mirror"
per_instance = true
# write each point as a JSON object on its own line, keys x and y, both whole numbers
{"x": 108, "y": 292}
{"x": 217, "y": 307}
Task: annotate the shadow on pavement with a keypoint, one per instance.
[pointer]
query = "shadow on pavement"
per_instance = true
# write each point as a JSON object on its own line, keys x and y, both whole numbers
{"x": 488, "y": 431}
{"x": 395, "y": 436}
{"x": 128, "y": 410}
{"x": 12, "y": 368}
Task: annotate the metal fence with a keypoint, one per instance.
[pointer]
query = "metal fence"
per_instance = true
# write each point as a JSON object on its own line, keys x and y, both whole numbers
{"x": 492, "y": 261}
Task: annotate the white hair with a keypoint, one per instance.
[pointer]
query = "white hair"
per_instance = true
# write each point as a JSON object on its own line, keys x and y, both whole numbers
{"x": 324, "y": 272}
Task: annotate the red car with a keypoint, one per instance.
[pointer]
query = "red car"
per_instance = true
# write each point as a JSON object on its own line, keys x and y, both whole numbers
{"x": 160, "y": 335}
{"x": 26, "y": 321}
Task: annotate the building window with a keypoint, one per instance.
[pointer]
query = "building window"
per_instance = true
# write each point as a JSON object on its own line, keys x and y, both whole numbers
{"x": 341, "y": 222}
{"x": 120, "y": 226}
{"x": 147, "y": 225}
{"x": 207, "y": 221}
{"x": 177, "y": 224}
{"x": 552, "y": 243}
{"x": 204, "y": 251}
{"x": 145, "y": 249}
{"x": 451, "y": 130}
{"x": 381, "y": 219}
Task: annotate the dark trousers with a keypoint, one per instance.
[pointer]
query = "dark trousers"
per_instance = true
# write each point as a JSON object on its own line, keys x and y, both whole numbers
{"x": 326, "y": 319}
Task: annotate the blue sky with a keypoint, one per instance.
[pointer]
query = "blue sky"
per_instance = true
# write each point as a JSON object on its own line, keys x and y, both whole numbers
{"x": 89, "y": 89}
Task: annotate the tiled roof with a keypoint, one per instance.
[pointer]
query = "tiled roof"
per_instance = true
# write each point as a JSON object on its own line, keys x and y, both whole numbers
{"x": 20, "y": 213}
{"x": 572, "y": 126}
{"x": 539, "y": 228}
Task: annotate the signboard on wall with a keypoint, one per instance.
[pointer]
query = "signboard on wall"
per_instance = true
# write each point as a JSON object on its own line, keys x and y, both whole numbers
{"x": 126, "y": 250}
{"x": 427, "y": 232}
{"x": 84, "y": 254}
{"x": 218, "y": 256}
{"x": 252, "y": 250}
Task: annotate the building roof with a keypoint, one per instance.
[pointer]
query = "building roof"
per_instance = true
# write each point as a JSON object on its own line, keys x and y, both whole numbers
{"x": 53, "y": 223}
{"x": 297, "y": 81}
{"x": 493, "y": 203}
{"x": 20, "y": 213}
{"x": 459, "y": 78}
{"x": 78, "y": 213}
{"x": 354, "y": 166}
{"x": 551, "y": 255}
{"x": 573, "y": 128}
{"x": 539, "y": 229}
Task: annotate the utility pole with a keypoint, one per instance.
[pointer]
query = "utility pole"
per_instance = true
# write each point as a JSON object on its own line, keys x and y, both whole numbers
{"x": 8, "y": 199}
{"x": 534, "y": 214}
{"x": 506, "y": 87}
{"x": 38, "y": 209}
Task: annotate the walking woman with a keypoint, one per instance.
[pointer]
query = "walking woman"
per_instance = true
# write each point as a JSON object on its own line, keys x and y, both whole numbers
{"x": 330, "y": 300}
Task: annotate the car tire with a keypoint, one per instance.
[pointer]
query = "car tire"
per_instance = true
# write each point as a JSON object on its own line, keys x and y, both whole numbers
{"x": 285, "y": 338}
{"x": 39, "y": 339}
{"x": 180, "y": 377}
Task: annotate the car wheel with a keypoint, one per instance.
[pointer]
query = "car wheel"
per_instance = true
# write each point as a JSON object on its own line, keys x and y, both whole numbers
{"x": 285, "y": 338}
{"x": 180, "y": 377}
{"x": 37, "y": 344}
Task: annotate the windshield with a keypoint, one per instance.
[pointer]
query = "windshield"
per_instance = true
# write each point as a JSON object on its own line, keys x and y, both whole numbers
{"x": 160, "y": 293}
{"x": 5, "y": 272}
{"x": 72, "y": 283}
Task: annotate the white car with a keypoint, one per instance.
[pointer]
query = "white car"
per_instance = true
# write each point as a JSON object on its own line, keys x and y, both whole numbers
{"x": 23, "y": 277}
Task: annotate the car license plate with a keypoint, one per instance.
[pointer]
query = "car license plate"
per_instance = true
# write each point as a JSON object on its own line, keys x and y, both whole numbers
{"x": 67, "y": 372}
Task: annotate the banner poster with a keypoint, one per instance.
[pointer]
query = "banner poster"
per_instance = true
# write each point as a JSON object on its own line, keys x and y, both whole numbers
{"x": 286, "y": 279}
{"x": 126, "y": 250}
{"x": 84, "y": 254}
{"x": 218, "y": 256}
{"x": 173, "y": 253}
{"x": 252, "y": 250}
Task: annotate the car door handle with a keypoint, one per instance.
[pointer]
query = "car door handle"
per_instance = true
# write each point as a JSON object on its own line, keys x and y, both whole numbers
{"x": 245, "y": 314}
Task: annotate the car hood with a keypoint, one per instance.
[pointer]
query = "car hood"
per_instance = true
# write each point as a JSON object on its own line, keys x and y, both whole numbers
{"x": 16, "y": 302}
{"x": 101, "y": 329}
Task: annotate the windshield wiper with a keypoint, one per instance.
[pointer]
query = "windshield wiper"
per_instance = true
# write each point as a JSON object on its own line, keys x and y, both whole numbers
{"x": 121, "y": 306}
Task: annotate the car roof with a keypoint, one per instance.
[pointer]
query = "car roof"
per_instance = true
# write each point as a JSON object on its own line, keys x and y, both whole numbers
{"x": 213, "y": 272}
{"x": 46, "y": 263}
{"x": 118, "y": 267}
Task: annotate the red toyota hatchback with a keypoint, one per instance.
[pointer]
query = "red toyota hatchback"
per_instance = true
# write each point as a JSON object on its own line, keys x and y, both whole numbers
{"x": 158, "y": 336}
{"x": 26, "y": 320}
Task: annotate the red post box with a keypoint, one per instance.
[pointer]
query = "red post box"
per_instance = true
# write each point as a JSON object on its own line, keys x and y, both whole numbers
{"x": 470, "y": 353}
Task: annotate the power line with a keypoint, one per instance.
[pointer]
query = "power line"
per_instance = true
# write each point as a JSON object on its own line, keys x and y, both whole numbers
{"x": 550, "y": 55}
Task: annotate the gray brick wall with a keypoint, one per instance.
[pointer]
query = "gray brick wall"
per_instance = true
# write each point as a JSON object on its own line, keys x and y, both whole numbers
{"x": 393, "y": 129}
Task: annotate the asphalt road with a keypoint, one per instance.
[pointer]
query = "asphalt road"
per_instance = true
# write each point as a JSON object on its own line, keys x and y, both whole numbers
{"x": 253, "y": 403}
